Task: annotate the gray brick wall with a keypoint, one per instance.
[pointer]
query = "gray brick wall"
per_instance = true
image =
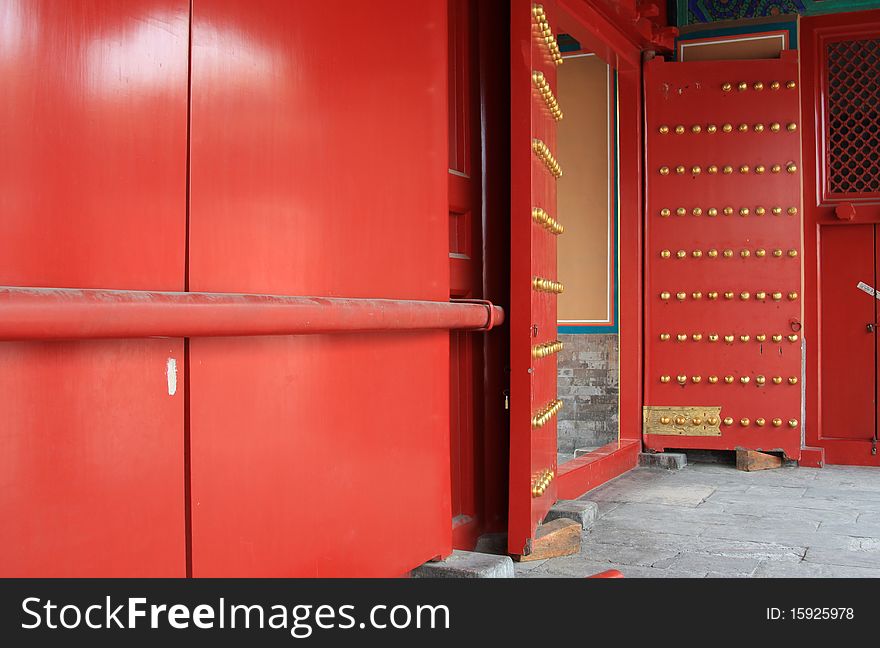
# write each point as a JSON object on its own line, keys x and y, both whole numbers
{"x": 589, "y": 384}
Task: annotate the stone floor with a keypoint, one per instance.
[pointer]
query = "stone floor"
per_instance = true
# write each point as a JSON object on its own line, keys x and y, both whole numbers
{"x": 711, "y": 520}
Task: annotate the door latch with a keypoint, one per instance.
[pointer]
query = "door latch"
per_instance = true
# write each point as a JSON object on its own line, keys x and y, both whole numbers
{"x": 871, "y": 326}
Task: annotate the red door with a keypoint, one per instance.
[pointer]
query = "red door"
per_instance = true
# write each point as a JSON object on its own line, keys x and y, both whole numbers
{"x": 93, "y": 173}
{"x": 848, "y": 341}
{"x": 534, "y": 284}
{"x": 723, "y": 240}
{"x": 842, "y": 209}
{"x": 319, "y": 167}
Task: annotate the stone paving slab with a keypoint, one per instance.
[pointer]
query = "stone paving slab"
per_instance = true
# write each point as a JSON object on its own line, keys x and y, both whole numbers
{"x": 730, "y": 566}
{"x": 587, "y": 568}
{"x": 694, "y": 544}
{"x": 675, "y": 495}
{"x": 711, "y": 520}
{"x": 859, "y": 529}
{"x": 804, "y": 569}
{"x": 851, "y": 558}
{"x": 792, "y": 512}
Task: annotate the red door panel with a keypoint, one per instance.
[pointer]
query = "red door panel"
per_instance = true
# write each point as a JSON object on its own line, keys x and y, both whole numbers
{"x": 848, "y": 346}
{"x": 839, "y": 106}
{"x": 92, "y": 461}
{"x": 319, "y": 167}
{"x": 93, "y": 186}
{"x": 534, "y": 283}
{"x": 93, "y": 160}
{"x": 723, "y": 231}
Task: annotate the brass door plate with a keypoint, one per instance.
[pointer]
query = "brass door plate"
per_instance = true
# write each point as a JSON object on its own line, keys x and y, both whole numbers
{"x": 681, "y": 420}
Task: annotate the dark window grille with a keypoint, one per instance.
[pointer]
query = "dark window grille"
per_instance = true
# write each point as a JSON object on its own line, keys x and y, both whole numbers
{"x": 853, "y": 112}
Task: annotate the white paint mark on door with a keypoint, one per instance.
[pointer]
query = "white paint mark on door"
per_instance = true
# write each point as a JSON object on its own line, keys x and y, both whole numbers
{"x": 171, "y": 374}
{"x": 866, "y": 288}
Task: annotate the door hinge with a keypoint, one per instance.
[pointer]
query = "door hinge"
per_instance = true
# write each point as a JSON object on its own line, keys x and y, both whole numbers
{"x": 506, "y": 394}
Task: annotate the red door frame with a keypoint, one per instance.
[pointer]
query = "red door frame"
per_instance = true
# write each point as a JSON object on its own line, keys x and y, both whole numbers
{"x": 819, "y": 211}
{"x": 480, "y": 144}
{"x": 465, "y": 271}
{"x": 621, "y": 48}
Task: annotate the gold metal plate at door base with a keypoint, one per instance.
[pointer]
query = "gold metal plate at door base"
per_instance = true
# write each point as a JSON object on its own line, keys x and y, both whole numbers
{"x": 681, "y": 420}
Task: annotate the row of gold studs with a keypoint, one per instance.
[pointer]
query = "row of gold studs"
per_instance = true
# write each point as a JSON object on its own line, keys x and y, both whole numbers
{"x": 742, "y": 86}
{"x": 547, "y": 33}
{"x": 547, "y": 94}
{"x": 729, "y": 339}
{"x": 726, "y": 254}
{"x": 727, "y": 211}
{"x": 546, "y": 349}
{"x": 696, "y": 129}
{"x": 544, "y": 219}
{"x": 729, "y": 380}
{"x": 744, "y": 296}
{"x": 728, "y": 420}
{"x": 713, "y": 169}
{"x": 546, "y": 285}
{"x": 544, "y": 154}
{"x": 541, "y": 482}
{"x": 683, "y": 420}
{"x": 543, "y": 416}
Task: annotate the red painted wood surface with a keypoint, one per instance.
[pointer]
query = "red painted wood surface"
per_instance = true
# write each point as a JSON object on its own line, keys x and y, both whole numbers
{"x": 533, "y": 254}
{"x": 841, "y": 387}
{"x": 93, "y": 172}
{"x": 319, "y": 166}
{"x": 593, "y": 469}
{"x": 688, "y": 94}
{"x": 848, "y": 345}
{"x": 630, "y": 197}
{"x": 494, "y": 102}
{"x": 465, "y": 271}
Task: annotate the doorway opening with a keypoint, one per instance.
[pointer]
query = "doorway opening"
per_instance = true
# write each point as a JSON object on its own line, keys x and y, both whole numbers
{"x": 589, "y": 365}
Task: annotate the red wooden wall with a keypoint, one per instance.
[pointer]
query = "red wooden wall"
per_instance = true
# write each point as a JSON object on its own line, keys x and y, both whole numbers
{"x": 311, "y": 160}
{"x": 93, "y": 173}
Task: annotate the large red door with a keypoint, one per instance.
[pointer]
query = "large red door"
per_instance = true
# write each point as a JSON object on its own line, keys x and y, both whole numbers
{"x": 93, "y": 186}
{"x": 319, "y": 167}
{"x": 723, "y": 239}
{"x": 841, "y": 100}
{"x": 534, "y": 284}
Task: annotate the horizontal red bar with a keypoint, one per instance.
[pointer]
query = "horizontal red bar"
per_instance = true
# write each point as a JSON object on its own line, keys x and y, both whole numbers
{"x": 67, "y": 313}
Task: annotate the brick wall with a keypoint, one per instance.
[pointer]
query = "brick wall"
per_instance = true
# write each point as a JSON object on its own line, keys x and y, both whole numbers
{"x": 588, "y": 386}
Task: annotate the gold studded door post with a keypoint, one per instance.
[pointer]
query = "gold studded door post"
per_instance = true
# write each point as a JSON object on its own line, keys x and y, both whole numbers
{"x": 535, "y": 172}
{"x": 723, "y": 273}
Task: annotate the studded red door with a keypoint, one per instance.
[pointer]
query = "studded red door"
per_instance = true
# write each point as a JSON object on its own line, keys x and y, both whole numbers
{"x": 534, "y": 286}
{"x": 723, "y": 277}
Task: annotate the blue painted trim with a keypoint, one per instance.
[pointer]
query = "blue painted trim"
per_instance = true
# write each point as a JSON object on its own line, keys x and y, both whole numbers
{"x": 587, "y": 330}
{"x": 813, "y": 8}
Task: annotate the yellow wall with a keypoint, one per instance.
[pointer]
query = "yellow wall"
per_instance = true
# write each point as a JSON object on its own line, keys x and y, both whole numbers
{"x": 584, "y": 193}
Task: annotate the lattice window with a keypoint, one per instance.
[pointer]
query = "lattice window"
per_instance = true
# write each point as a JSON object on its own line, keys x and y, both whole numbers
{"x": 853, "y": 112}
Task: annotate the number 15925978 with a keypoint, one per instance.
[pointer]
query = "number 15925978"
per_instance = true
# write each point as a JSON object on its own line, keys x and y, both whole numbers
{"x": 810, "y": 614}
